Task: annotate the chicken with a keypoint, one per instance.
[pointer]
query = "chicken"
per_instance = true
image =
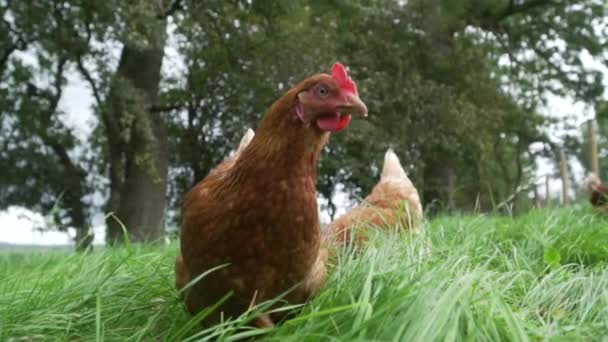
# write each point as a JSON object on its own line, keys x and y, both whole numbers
{"x": 258, "y": 222}
{"x": 598, "y": 192}
{"x": 394, "y": 201}
{"x": 182, "y": 277}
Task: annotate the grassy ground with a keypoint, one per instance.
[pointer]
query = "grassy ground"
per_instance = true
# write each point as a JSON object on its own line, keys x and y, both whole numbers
{"x": 541, "y": 276}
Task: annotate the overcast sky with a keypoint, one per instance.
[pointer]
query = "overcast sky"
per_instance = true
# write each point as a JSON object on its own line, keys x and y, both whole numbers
{"x": 16, "y": 224}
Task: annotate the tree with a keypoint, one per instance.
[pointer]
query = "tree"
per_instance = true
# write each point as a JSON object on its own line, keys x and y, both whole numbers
{"x": 579, "y": 144}
{"x": 38, "y": 154}
{"x": 453, "y": 108}
{"x": 136, "y": 134}
{"x": 136, "y": 151}
{"x": 453, "y": 86}
{"x": 133, "y": 135}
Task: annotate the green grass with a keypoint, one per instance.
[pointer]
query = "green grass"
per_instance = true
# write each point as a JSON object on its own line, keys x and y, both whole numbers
{"x": 540, "y": 276}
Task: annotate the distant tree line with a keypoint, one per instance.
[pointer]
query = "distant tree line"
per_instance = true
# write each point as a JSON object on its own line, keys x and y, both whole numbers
{"x": 453, "y": 86}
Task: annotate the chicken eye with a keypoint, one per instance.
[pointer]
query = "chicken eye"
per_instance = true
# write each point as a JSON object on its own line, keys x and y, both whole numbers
{"x": 323, "y": 91}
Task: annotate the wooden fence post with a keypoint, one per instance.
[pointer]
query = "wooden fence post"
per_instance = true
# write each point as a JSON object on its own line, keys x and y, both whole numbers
{"x": 547, "y": 195}
{"x": 564, "y": 172}
{"x": 595, "y": 162}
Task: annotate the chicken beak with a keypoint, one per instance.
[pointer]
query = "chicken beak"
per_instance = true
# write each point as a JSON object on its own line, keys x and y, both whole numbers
{"x": 354, "y": 106}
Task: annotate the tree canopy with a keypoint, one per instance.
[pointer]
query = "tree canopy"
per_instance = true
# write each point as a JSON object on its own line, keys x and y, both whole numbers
{"x": 455, "y": 87}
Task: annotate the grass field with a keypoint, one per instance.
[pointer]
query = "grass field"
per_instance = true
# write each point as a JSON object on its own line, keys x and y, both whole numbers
{"x": 540, "y": 276}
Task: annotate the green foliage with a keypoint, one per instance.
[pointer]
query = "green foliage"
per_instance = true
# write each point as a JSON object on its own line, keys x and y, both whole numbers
{"x": 539, "y": 276}
{"x": 453, "y": 86}
{"x": 436, "y": 100}
{"x": 580, "y": 144}
{"x": 36, "y": 142}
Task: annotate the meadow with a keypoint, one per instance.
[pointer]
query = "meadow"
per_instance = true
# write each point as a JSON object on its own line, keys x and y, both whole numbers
{"x": 539, "y": 276}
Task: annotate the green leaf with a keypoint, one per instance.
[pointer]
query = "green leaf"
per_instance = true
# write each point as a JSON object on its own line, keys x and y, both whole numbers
{"x": 552, "y": 257}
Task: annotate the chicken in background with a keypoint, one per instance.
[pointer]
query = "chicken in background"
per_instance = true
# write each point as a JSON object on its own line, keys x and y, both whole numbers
{"x": 393, "y": 202}
{"x": 598, "y": 192}
{"x": 182, "y": 277}
{"x": 258, "y": 222}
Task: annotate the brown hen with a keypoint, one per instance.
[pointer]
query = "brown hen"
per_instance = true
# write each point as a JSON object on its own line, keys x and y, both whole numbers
{"x": 598, "y": 192}
{"x": 259, "y": 218}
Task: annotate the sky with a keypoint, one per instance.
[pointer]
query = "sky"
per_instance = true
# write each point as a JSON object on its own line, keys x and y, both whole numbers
{"x": 17, "y": 225}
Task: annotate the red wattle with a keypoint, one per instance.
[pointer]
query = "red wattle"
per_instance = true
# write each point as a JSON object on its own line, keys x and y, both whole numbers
{"x": 333, "y": 123}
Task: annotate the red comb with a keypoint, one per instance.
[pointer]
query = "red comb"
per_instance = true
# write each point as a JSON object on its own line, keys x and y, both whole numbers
{"x": 338, "y": 72}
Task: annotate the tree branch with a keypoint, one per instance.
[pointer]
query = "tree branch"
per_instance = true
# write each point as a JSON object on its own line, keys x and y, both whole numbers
{"x": 53, "y": 99}
{"x": 57, "y": 85}
{"x": 51, "y": 141}
{"x": 5, "y": 56}
{"x": 87, "y": 76}
{"x": 175, "y": 6}
{"x": 165, "y": 108}
{"x": 75, "y": 175}
{"x": 514, "y": 9}
{"x": 20, "y": 43}
{"x": 563, "y": 75}
{"x": 52, "y": 96}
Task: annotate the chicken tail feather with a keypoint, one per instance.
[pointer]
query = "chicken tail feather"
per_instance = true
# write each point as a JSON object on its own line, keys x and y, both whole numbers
{"x": 392, "y": 169}
{"x": 245, "y": 140}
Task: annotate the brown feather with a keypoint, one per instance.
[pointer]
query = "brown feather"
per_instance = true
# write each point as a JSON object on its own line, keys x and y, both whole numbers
{"x": 182, "y": 276}
{"x": 598, "y": 192}
{"x": 599, "y": 195}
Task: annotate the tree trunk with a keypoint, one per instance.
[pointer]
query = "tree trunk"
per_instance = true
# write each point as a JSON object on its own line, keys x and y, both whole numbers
{"x": 439, "y": 187}
{"x": 564, "y": 174}
{"x": 547, "y": 193}
{"x": 537, "y": 204}
{"x": 138, "y": 142}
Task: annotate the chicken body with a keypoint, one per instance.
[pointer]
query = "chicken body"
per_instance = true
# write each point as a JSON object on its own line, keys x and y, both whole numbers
{"x": 394, "y": 201}
{"x": 182, "y": 276}
{"x": 266, "y": 249}
{"x": 598, "y": 192}
{"x": 257, "y": 220}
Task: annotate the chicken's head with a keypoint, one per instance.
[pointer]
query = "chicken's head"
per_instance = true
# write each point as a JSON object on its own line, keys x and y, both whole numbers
{"x": 327, "y": 102}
